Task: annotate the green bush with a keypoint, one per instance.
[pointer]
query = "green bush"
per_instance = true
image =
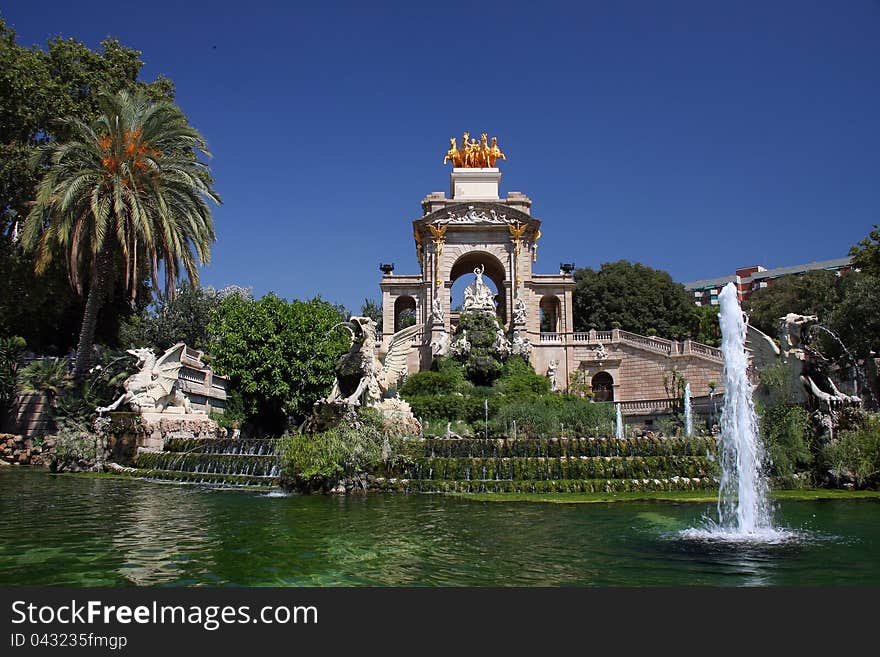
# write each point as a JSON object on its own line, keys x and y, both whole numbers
{"x": 439, "y": 407}
{"x": 446, "y": 378}
{"x": 519, "y": 379}
{"x": 786, "y": 433}
{"x": 75, "y": 445}
{"x": 341, "y": 452}
{"x": 550, "y": 416}
{"x": 854, "y": 456}
{"x": 233, "y": 415}
{"x": 10, "y": 352}
{"x": 439, "y": 427}
{"x": 48, "y": 376}
{"x": 481, "y": 365}
{"x": 76, "y": 401}
{"x": 670, "y": 425}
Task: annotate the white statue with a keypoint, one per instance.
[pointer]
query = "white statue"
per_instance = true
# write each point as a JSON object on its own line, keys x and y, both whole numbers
{"x": 519, "y": 310}
{"x": 520, "y": 345}
{"x": 478, "y": 295}
{"x": 436, "y": 311}
{"x": 461, "y": 346}
{"x": 502, "y": 344}
{"x": 154, "y": 388}
{"x": 361, "y": 378}
{"x": 791, "y": 329}
{"x": 551, "y": 374}
{"x": 601, "y": 353}
{"x": 806, "y": 366}
{"x": 440, "y": 344}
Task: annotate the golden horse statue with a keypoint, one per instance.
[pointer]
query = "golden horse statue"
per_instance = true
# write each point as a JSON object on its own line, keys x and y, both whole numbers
{"x": 473, "y": 155}
{"x": 453, "y": 153}
{"x": 495, "y": 153}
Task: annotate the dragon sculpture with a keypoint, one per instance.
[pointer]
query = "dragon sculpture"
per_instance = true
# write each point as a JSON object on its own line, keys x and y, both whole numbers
{"x": 362, "y": 379}
{"x": 806, "y": 365}
{"x": 154, "y": 387}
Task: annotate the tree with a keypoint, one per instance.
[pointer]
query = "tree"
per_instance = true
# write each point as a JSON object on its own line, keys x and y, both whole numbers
{"x": 866, "y": 254}
{"x": 36, "y": 87}
{"x": 169, "y": 320}
{"x": 280, "y": 356}
{"x": 635, "y": 296}
{"x": 810, "y": 293}
{"x": 706, "y": 327}
{"x": 126, "y": 186}
{"x": 373, "y": 310}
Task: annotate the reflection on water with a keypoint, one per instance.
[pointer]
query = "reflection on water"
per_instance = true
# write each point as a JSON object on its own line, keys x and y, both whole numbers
{"x": 80, "y": 531}
{"x": 150, "y": 543}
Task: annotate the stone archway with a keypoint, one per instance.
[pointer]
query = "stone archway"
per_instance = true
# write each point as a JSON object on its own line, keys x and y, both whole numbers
{"x": 404, "y": 312}
{"x": 550, "y": 313}
{"x": 494, "y": 270}
{"x": 603, "y": 387}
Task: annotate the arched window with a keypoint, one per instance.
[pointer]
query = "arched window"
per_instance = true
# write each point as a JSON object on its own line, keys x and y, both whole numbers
{"x": 603, "y": 387}
{"x": 404, "y": 312}
{"x": 550, "y": 314}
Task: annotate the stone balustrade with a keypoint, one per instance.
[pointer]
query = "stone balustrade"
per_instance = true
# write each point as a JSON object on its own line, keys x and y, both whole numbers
{"x": 651, "y": 343}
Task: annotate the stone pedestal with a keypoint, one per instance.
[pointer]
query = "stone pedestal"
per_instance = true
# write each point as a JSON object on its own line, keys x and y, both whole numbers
{"x": 129, "y": 432}
{"x": 475, "y": 184}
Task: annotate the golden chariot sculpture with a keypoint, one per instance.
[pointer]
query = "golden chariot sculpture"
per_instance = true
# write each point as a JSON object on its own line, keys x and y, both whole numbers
{"x": 472, "y": 155}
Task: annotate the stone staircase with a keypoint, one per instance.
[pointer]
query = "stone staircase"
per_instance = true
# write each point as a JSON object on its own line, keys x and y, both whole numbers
{"x": 563, "y": 465}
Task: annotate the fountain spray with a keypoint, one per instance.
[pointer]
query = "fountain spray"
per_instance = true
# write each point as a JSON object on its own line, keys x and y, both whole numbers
{"x": 688, "y": 412}
{"x": 742, "y": 496}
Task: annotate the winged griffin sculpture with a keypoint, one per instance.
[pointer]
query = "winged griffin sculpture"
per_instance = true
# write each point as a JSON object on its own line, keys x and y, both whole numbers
{"x": 805, "y": 365}
{"x": 154, "y": 387}
{"x": 361, "y": 378}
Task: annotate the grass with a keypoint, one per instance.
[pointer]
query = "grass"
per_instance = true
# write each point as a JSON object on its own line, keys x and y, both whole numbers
{"x": 664, "y": 496}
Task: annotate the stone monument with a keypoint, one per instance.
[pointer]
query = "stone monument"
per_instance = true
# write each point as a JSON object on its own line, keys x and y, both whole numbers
{"x": 158, "y": 407}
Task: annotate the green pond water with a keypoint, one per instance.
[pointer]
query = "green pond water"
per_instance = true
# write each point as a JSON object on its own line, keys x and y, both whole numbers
{"x": 100, "y": 531}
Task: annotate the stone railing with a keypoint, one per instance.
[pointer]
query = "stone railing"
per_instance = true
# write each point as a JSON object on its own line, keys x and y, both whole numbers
{"x": 704, "y": 404}
{"x": 655, "y": 344}
{"x": 645, "y": 406}
{"x": 700, "y": 349}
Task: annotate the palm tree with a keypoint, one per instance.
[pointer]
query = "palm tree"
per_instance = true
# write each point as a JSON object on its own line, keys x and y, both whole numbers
{"x": 128, "y": 188}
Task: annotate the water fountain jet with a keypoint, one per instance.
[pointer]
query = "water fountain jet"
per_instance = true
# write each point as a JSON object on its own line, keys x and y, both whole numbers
{"x": 688, "y": 412}
{"x": 743, "y": 507}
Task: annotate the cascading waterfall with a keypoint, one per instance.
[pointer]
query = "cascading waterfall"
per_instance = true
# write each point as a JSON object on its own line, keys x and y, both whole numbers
{"x": 619, "y": 424}
{"x": 743, "y": 507}
{"x": 688, "y": 412}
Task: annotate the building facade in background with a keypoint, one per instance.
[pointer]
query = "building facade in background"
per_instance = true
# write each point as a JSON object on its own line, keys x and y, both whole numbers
{"x": 750, "y": 279}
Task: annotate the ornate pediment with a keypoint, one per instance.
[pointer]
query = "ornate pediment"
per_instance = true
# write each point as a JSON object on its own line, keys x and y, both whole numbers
{"x": 476, "y": 214}
{"x": 473, "y": 216}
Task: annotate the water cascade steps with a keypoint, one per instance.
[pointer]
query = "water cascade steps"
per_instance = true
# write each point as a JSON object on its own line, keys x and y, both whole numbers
{"x": 228, "y": 463}
{"x": 561, "y": 465}
{"x": 467, "y": 465}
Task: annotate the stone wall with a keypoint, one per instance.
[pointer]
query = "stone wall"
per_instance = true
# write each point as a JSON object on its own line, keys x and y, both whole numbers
{"x": 29, "y": 415}
{"x": 18, "y": 450}
{"x": 638, "y": 374}
{"x": 128, "y": 432}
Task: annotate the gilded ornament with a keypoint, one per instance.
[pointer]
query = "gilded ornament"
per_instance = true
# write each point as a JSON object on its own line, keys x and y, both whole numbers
{"x": 473, "y": 155}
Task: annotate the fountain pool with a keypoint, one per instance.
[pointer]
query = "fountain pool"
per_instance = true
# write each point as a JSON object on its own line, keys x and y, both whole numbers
{"x": 77, "y": 530}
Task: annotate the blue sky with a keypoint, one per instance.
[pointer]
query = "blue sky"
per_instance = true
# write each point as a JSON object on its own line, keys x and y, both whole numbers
{"x": 691, "y": 136}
